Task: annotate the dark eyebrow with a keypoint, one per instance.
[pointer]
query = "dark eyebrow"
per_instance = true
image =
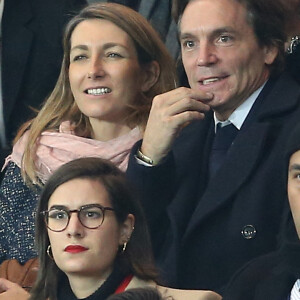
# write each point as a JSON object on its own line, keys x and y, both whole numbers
{"x": 59, "y": 207}
{"x": 294, "y": 167}
{"x": 215, "y": 32}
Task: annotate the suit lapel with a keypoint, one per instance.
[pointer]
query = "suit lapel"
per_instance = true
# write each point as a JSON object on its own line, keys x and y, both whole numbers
{"x": 246, "y": 151}
{"x": 15, "y": 36}
{"x": 241, "y": 162}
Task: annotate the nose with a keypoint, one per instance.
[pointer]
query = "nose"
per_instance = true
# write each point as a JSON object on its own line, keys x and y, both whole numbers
{"x": 74, "y": 227}
{"x": 206, "y": 54}
{"x": 96, "y": 68}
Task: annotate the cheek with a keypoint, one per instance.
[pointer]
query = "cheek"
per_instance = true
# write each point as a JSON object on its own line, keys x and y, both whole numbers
{"x": 128, "y": 76}
{"x": 294, "y": 199}
{"x": 73, "y": 77}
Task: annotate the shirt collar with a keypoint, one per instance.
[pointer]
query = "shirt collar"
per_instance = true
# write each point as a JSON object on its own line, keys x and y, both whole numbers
{"x": 1, "y": 14}
{"x": 240, "y": 114}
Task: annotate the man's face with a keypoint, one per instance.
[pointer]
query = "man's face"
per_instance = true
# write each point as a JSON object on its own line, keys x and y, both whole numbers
{"x": 294, "y": 188}
{"x": 221, "y": 54}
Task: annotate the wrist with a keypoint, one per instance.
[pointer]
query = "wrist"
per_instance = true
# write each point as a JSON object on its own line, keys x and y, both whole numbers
{"x": 146, "y": 159}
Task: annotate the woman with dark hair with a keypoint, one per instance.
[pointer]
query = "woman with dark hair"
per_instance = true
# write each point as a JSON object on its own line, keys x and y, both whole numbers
{"x": 114, "y": 64}
{"x": 92, "y": 237}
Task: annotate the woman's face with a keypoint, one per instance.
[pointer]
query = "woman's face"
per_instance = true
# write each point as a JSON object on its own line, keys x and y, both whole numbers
{"x": 104, "y": 71}
{"x": 79, "y": 250}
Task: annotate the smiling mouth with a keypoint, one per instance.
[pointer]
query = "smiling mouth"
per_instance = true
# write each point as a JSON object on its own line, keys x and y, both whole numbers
{"x": 98, "y": 91}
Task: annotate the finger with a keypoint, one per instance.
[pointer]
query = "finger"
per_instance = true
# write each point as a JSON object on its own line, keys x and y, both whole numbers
{"x": 186, "y": 104}
{"x": 186, "y": 117}
{"x": 173, "y": 96}
{"x": 5, "y": 285}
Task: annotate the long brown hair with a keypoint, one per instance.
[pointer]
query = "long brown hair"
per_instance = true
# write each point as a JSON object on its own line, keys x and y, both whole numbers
{"x": 60, "y": 106}
{"x": 138, "y": 256}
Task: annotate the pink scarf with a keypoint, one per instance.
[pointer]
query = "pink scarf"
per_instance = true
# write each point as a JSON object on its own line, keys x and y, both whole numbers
{"x": 57, "y": 148}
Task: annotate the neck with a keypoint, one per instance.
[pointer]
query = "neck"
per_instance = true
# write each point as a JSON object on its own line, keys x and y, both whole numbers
{"x": 106, "y": 131}
{"x": 84, "y": 286}
{"x": 224, "y": 112}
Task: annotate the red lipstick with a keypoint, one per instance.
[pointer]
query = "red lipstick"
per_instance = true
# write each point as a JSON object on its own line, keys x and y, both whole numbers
{"x": 75, "y": 249}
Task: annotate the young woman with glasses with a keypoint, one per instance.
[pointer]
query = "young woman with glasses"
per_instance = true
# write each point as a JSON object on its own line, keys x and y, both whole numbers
{"x": 92, "y": 237}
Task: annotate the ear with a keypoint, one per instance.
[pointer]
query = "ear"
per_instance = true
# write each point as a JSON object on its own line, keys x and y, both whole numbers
{"x": 150, "y": 76}
{"x": 126, "y": 229}
{"x": 271, "y": 53}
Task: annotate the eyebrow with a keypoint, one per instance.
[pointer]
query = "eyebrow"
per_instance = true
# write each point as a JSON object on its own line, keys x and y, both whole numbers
{"x": 294, "y": 167}
{"x": 60, "y": 207}
{"x": 214, "y": 32}
{"x": 105, "y": 46}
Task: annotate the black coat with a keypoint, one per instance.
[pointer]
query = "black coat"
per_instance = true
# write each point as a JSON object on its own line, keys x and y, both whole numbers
{"x": 31, "y": 54}
{"x": 203, "y": 232}
{"x": 270, "y": 276}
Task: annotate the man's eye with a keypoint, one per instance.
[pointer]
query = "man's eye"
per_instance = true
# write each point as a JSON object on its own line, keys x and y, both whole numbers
{"x": 225, "y": 39}
{"x": 188, "y": 44}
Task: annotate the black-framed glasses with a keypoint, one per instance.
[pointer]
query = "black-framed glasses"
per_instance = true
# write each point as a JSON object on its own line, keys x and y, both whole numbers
{"x": 90, "y": 216}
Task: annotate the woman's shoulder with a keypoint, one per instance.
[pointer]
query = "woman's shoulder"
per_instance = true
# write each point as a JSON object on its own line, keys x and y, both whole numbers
{"x": 171, "y": 293}
{"x": 136, "y": 282}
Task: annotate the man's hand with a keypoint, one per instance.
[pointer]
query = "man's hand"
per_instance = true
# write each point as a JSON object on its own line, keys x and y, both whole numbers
{"x": 169, "y": 113}
{"x": 10, "y": 290}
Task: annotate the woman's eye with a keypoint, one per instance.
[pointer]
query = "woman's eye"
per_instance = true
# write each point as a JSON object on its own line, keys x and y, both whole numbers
{"x": 114, "y": 55}
{"x": 79, "y": 57}
{"x": 58, "y": 215}
{"x": 93, "y": 214}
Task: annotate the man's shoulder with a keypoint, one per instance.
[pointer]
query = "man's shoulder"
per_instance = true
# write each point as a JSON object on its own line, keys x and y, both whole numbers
{"x": 282, "y": 100}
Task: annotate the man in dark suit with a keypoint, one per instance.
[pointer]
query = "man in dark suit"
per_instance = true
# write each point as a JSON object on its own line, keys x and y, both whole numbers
{"x": 214, "y": 198}
{"x": 31, "y": 56}
{"x": 276, "y": 275}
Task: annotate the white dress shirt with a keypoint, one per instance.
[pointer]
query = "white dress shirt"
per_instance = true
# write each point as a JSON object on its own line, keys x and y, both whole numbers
{"x": 295, "y": 293}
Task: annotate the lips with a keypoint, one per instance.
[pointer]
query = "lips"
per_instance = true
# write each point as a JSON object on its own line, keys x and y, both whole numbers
{"x": 75, "y": 249}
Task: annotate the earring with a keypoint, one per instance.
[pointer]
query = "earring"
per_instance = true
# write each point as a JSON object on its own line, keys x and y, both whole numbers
{"x": 124, "y": 247}
{"x": 48, "y": 252}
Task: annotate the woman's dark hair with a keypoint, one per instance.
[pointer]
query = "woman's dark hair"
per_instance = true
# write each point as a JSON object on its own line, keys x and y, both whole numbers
{"x": 138, "y": 256}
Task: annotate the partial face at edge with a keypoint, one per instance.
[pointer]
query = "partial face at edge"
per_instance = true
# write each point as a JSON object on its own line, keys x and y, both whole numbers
{"x": 294, "y": 188}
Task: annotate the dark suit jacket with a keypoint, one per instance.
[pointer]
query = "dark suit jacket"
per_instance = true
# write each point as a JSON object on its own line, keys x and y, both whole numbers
{"x": 31, "y": 54}
{"x": 270, "y": 276}
{"x": 202, "y": 231}
{"x": 266, "y": 277}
